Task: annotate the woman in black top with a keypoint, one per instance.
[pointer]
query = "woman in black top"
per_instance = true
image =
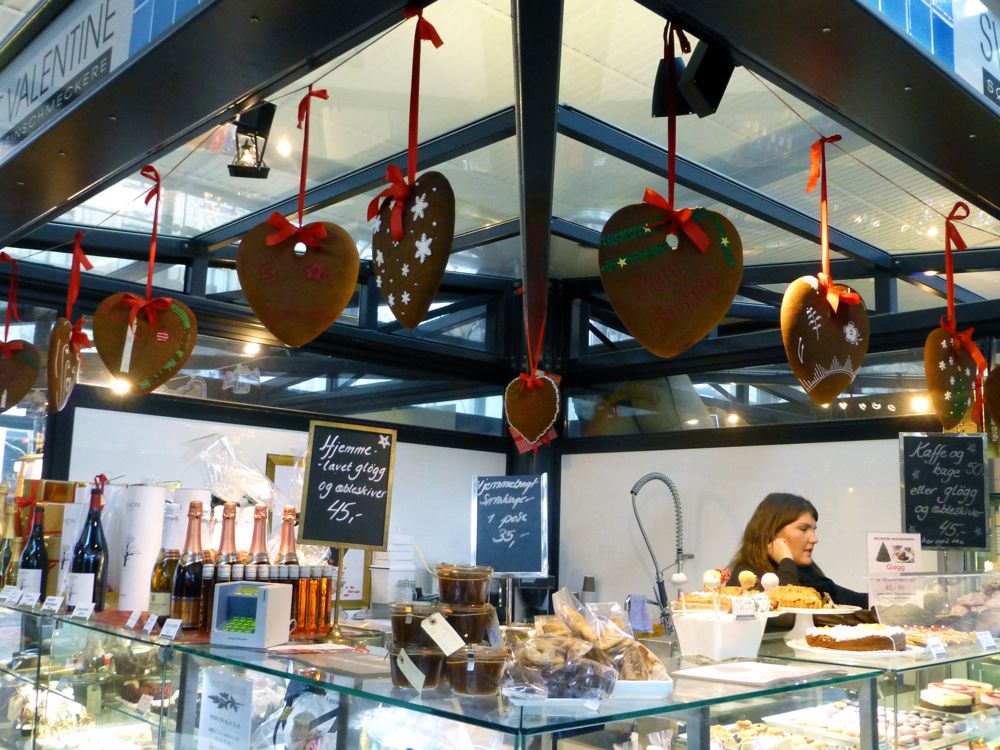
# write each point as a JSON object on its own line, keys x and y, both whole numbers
{"x": 779, "y": 538}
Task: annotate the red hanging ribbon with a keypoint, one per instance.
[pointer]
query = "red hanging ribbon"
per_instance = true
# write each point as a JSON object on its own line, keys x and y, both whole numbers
{"x": 960, "y": 339}
{"x": 150, "y": 173}
{"x": 671, "y": 31}
{"x": 8, "y": 348}
{"x": 817, "y": 171}
{"x": 150, "y": 306}
{"x": 399, "y": 185}
{"x": 99, "y": 481}
{"x": 304, "y": 117}
{"x": 79, "y": 259}
{"x": 309, "y": 235}
{"x": 678, "y": 221}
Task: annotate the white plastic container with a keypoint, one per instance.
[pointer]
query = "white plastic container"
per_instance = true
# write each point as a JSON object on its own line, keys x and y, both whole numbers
{"x": 718, "y": 635}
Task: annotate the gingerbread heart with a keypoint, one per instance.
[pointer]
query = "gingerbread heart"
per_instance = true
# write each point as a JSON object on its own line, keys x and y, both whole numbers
{"x": 669, "y": 299}
{"x": 148, "y": 356}
{"x": 64, "y": 365}
{"x": 410, "y": 271}
{"x": 951, "y": 378}
{"x": 298, "y": 296}
{"x": 991, "y": 394}
{"x": 531, "y": 411}
{"x": 18, "y": 372}
{"x": 825, "y": 349}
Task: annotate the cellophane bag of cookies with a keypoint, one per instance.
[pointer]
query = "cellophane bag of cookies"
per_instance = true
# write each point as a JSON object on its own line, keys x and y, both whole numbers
{"x": 583, "y": 679}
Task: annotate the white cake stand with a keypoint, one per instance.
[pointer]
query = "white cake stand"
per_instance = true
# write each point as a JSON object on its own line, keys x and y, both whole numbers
{"x": 804, "y": 618}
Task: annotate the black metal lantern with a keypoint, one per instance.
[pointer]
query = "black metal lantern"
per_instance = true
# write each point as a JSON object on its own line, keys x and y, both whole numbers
{"x": 253, "y": 128}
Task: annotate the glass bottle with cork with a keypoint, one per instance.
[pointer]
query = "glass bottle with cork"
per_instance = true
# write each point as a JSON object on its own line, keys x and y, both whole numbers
{"x": 286, "y": 551}
{"x": 227, "y": 554}
{"x": 186, "y": 597}
{"x": 161, "y": 582}
{"x": 88, "y": 572}
{"x": 33, "y": 569}
{"x": 258, "y": 542}
{"x": 9, "y": 552}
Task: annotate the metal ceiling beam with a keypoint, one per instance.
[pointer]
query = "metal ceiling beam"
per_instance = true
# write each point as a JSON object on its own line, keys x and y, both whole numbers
{"x": 475, "y": 301}
{"x": 537, "y": 32}
{"x": 653, "y": 158}
{"x": 973, "y": 259}
{"x": 845, "y": 60}
{"x": 112, "y": 243}
{"x": 937, "y": 285}
{"x": 222, "y": 59}
{"x": 478, "y": 134}
{"x": 764, "y": 296}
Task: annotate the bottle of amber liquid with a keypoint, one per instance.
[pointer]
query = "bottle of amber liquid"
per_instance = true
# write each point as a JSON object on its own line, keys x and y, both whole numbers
{"x": 313, "y": 605}
{"x": 186, "y": 597}
{"x": 162, "y": 580}
{"x": 286, "y": 552}
{"x": 258, "y": 542}
{"x": 326, "y": 594}
{"x": 207, "y": 598}
{"x": 227, "y": 554}
{"x": 294, "y": 580}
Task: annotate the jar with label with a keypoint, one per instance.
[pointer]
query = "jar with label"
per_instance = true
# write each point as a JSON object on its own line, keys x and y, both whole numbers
{"x": 463, "y": 584}
{"x": 430, "y": 662}
{"x": 407, "y": 618}
{"x": 472, "y": 623}
{"x": 476, "y": 670}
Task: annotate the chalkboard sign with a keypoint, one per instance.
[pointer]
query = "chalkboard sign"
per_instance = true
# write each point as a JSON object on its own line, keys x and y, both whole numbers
{"x": 348, "y": 486}
{"x": 944, "y": 489}
{"x": 510, "y": 524}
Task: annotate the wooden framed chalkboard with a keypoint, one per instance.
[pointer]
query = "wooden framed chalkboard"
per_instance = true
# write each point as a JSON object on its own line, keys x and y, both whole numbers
{"x": 347, "y": 489}
{"x": 510, "y": 524}
{"x": 943, "y": 480}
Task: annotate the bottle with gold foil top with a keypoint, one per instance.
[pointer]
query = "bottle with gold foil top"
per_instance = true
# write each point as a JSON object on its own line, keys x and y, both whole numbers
{"x": 286, "y": 552}
{"x": 227, "y": 554}
{"x": 162, "y": 580}
{"x": 258, "y": 543}
{"x": 8, "y": 553}
{"x": 186, "y": 597}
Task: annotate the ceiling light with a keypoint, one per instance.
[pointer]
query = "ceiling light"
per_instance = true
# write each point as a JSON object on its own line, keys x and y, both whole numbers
{"x": 284, "y": 147}
{"x": 691, "y": 421}
{"x": 932, "y": 232}
{"x": 121, "y": 387}
{"x": 251, "y": 348}
{"x": 920, "y": 403}
{"x": 732, "y": 418}
{"x": 252, "y": 130}
{"x": 930, "y": 273}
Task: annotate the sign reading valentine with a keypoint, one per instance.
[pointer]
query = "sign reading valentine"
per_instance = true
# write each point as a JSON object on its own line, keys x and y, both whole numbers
{"x": 510, "y": 524}
{"x": 347, "y": 489}
{"x": 944, "y": 489}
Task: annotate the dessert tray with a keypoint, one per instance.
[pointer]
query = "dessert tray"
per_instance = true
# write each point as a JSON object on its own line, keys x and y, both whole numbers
{"x": 874, "y": 658}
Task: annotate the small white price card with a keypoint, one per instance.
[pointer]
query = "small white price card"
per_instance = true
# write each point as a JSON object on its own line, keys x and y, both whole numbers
{"x": 150, "y": 624}
{"x": 132, "y": 619}
{"x": 744, "y": 607}
{"x": 986, "y": 639}
{"x": 7, "y": 592}
{"x": 936, "y": 648}
{"x": 29, "y": 598}
{"x": 83, "y": 611}
{"x": 410, "y": 670}
{"x": 442, "y": 633}
{"x": 170, "y": 629}
{"x": 52, "y": 604}
{"x": 145, "y": 703}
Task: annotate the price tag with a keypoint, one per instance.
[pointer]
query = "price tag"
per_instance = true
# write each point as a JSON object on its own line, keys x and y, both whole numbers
{"x": 29, "y": 598}
{"x": 83, "y": 611}
{"x": 744, "y": 607}
{"x": 986, "y": 639}
{"x": 94, "y": 699}
{"x": 442, "y": 634}
{"x": 763, "y": 603}
{"x": 413, "y": 675}
{"x": 132, "y": 619}
{"x": 936, "y": 648}
{"x": 150, "y": 624}
{"x": 6, "y": 592}
{"x": 52, "y": 604}
{"x": 170, "y": 629}
{"x": 145, "y": 703}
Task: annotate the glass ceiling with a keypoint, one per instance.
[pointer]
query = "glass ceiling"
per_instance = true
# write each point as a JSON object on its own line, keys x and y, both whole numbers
{"x": 759, "y": 137}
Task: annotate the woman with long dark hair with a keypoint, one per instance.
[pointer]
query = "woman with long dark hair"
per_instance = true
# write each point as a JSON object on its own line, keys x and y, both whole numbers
{"x": 779, "y": 538}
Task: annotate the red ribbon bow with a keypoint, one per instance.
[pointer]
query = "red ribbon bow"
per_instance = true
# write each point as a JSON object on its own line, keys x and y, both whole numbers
{"x": 150, "y": 306}
{"x": 678, "y": 221}
{"x": 425, "y": 30}
{"x": 7, "y": 348}
{"x": 78, "y": 339}
{"x": 397, "y": 191}
{"x": 99, "y": 481}
{"x": 817, "y": 171}
{"x": 309, "y": 235}
{"x": 529, "y": 381}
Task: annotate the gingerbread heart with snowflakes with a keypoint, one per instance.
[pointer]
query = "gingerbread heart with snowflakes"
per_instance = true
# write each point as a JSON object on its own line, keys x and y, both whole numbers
{"x": 951, "y": 376}
{"x": 409, "y": 272}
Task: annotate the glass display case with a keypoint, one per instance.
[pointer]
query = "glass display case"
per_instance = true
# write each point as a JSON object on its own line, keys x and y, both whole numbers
{"x": 959, "y": 602}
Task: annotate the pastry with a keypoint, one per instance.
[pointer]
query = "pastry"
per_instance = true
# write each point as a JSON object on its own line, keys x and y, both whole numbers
{"x": 990, "y": 697}
{"x": 946, "y": 700}
{"x": 858, "y": 638}
{"x": 712, "y": 579}
{"x": 795, "y": 597}
{"x": 769, "y": 581}
{"x": 949, "y": 637}
{"x": 748, "y": 579}
{"x": 977, "y": 688}
{"x": 577, "y": 623}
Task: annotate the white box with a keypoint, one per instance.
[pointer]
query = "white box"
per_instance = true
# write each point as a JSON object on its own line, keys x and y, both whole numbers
{"x": 269, "y": 605}
{"x": 384, "y": 580}
{"x": 718, "y": 635}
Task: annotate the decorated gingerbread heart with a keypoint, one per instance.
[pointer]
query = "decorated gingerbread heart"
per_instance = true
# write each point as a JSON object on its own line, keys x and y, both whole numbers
{"x": 669, "y": 299}
{"x": 410, "y": 271}
{"x": 824, "y": 348}
{"x": 20, "y": 365}
{"x": 297, "y": 295}
{"x": 155, "y": 350}
{"x": 532, "y": 407}
{"x": 951, "y": 378}
{"x": 63, "y": 365}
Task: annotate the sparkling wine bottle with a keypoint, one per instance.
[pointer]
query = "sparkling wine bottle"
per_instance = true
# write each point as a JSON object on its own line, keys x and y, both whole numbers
{"x": 227, "y": 554}
{"x": 88, "y": 573}
{"x": 162, "y": 581}
{"x": 286, "y": 552}
{"x": 8, "y": 556}
{"x": 185, "y": 599}
{"x": 258, "y": 544}
{"x": 33, "y": 573}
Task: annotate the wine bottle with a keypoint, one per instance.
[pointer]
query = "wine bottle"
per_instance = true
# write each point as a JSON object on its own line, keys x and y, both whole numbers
{"x": 286, "y": 552}
{"x": 185, "y": 598}
{"x": 227, "y": 554}
{"x": 33, "y": 573}
{"x": 258, "y": 543}
{"x": 8, "y": 560}
{"x": 162, "y": 580}
{"x": 88, "y": 572}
